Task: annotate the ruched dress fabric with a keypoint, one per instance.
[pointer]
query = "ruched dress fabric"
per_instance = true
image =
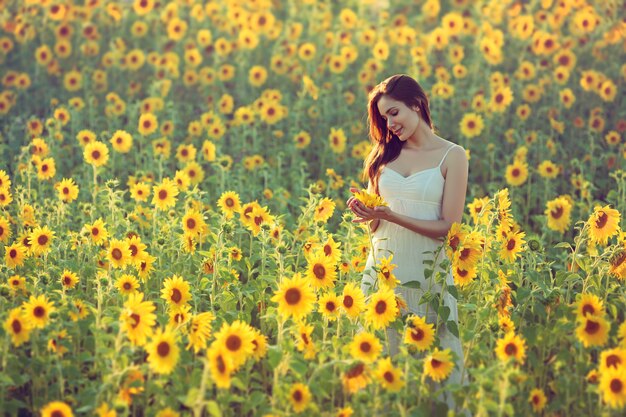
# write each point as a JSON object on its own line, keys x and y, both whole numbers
{"x": 419, "y": 196}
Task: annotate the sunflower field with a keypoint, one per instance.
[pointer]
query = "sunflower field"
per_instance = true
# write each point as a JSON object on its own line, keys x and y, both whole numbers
{"x": 174, "y": 233}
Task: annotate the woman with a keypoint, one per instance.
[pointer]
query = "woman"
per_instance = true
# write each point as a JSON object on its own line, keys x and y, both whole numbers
{"x": 423, "y": 178}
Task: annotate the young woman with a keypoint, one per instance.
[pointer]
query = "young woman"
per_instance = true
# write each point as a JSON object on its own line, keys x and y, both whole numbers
{"x": 423, "y": 178}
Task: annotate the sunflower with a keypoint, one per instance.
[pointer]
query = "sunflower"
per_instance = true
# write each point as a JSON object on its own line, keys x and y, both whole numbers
{"x": 382, "y": 308}
{"x": 517, "y": 173}
{"x": 365, "y": 347}
{"x": 603, "y": 223}
{"x": 558, "y": 214}
{"x": 548, "y": 169}
{"x": 593, "y": 330}
{"x": 356, "y": 378}
{"x": 612, "y": 358}
{"x": 388, "y": 376}
{"x": 14, "y": 255}
{"x": 78, "y": 310}
{"x": 127, "y": 284}
{"x": 353, "y": 300}
{"x": 221, "y": 365}
{"x": 138, "y": 318}
{"x": 418, "y": 333}
{"x": 589, "y": 304}
{"x": 140, "y": 191}
{"x": 5, "y": 229}
{"x": 17, "y": 327}
{"x": 163, "y": 351}
{"x": 97, "y": 231}
{"x": 147, "y": 124}
{"x": 37, "y": 311}
{"x": 302, "y": 139}
{"x": 236, "y": 340}
{"x": 193, "y": 223}
{"x": 164, "y": 194}
{"x": 329, "y": 306}
{"x": 137, "y": 249}
{"x": 16, "y": 283}
{"x": 260, "y": 345}
{"x": 178, "y": 317}
{"x": 512, "y": 244}
{"x": 46, "y": 169}
{"x": 469, "y": 252}
{"x": 321, "y": 271}
{"x": 56, "y": 409}
{"x": 295, "y": 298}
{"x": 617, "y": 263}
{"x": 299, "y": 397}
{"x": 337, "y": 140}
{"x": 67, "y": 189}
{"x": 69, "y": 279}
{"x": 471, "y": 125}
{"x": 324, "y": 210}
{"x": 229, "y": 203}
{"x": 500, "y": 99}
{"x": 613, "y": 387}
{"x": 5, "y": 197}
{"x": 96, "y": 153}
{"x": 122, "y": 141}
{"x": 175, "y": 291}
{"x": 511, "y": 346}
{"x": 537, "y": 399}
{"x": 40, "y": 240}
{"x": 463, "y": 277}
{"x": 118, "y": 253}
{"x": 304, "y": 341}
{"x": 200, "y": 331}
{"x": 145, "y": 266}
{"x": 505, "y": 323}
{"x": 385, "y": 275}
{"x": 438, "y": 365}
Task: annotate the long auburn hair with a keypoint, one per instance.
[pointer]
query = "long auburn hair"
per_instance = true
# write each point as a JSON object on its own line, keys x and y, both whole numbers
{"x": 387, "y": 146}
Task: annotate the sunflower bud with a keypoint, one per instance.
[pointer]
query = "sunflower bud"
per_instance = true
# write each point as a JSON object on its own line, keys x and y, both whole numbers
{"x": 534, "y": 245}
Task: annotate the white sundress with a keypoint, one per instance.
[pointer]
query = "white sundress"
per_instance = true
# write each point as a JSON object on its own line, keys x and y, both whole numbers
{"x": 419, "y": 196}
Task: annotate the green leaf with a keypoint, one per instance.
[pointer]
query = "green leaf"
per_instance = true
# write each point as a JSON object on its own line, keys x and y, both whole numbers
{"x": 274, "y": 355}
{"x": 452, "y": 327}
{"x": 453, "y": 291}
{"x": 444, "y": 312}
{"x": 214, "y": 409}
{"x": 412, "y": 284}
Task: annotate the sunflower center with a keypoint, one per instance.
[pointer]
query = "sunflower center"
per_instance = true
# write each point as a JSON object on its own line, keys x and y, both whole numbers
{"x": 163, "y": 349}
{"x": 229, "y": 202}
{"x": 348, "y": 301}
{"x": 221, "y": 366}
{"x": 356, "y": 371}
{"x": 471, "y": 124}
{"x": 116, "y": 254}
{"x": 95, "y": 154}
{"x": 462, "y": 272}
{"x": 557, "y": 213}
{"x": 592, "y": 327}
{"x": 42, "y": 240}
{"x": 588, "y": 309}
{"x": 297, "y": 395}
{"x": 328, "y": 250}
{"x": 330, "y": 306}
{"x": 136, "y": 320}
{"x": 366, "y": 347}
{"x": 465, "y": 254}
{"x": 176, "y": 295}
{"x": 536, "y": 399}
{"x": 127, "y": 286}
{"x": 510, "y": 349}
{"x": 233, "y": 343}
{"x": 13, "y": 253}
{"x": 389, "y": 376}
{"x": 435, "y": 363}
{"x": 162, "y": 194}
{"x": 319, "y": 271}
{"x": 95, "y": 231}
{"x": 293, "y": 296}
{"x": 417, "y": 334}
{"x": 57, "y": 413}
{"x": 191, "y": 223}
{"x": 616, "y": 386}
{"x": 146, "y": 124}
{"x": 515, "y": 172}
{"x": 511, "y": 244}
{"x": 133, "y": 250}
{"x": 613, "y": 360}
{"x": 16, "y": 326}
{"x": 454, "y": 243}
{"x": 381, "y": 307}
{"x": 39, "y": 311}
{"x": 67, "y": 280}
{"x": 601, "y": 220}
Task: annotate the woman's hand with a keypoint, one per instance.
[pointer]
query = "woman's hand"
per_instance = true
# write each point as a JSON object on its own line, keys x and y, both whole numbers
{"x": 365, "y": 213}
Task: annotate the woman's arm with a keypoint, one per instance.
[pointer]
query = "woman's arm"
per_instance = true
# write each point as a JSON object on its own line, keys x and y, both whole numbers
{"x": 453, "y": 204}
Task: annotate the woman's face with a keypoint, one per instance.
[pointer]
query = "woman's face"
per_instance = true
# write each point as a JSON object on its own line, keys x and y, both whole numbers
{"x": 401, "y": 120}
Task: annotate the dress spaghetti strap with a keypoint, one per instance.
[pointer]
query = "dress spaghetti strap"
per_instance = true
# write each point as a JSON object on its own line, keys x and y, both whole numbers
{"x": 446, "y": 154}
